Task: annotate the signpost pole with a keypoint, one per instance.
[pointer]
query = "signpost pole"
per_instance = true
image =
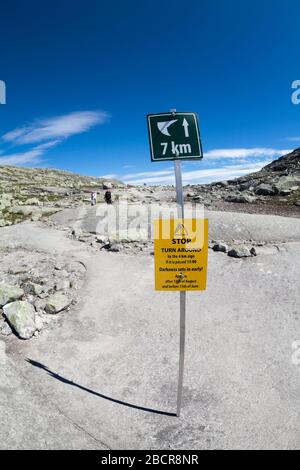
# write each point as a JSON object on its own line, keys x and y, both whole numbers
{"x": 175, "y": 136}
{"x": 180, "y": 209}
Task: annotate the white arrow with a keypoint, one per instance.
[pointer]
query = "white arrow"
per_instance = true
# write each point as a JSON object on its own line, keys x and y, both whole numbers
{"x": 186, "y": 127}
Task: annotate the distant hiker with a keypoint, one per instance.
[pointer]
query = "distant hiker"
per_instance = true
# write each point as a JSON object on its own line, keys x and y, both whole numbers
{"x": 107, "y": 197}
{"x": 93, "y": 198}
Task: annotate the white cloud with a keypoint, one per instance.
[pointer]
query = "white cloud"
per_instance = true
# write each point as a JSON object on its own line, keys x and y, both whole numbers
{"x": 245, "y": 153}
{"x": 244, "y": 161}
{"x": 48, "y": 133}
{"x": 294, "y": 139}
{"x": 59, "y": 127}
{"x": 146, "y": 174}
{"x": 22, "y": 158}
{"x": 199, "y": 176}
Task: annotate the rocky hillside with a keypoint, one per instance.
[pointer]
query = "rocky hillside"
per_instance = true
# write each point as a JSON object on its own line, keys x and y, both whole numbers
{"x": 276, "y": 186}
{"x": 27, "y": 193}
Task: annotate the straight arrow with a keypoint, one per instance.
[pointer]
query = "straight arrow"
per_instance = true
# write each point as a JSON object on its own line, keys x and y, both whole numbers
{"x": 186, "y": 127}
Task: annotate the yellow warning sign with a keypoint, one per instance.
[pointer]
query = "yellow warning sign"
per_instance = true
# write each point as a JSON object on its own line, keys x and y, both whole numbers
{"x": 180, "y": 252}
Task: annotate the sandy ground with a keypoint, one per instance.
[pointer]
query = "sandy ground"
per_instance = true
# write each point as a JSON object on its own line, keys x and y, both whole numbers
{"x": 106, "y": 375}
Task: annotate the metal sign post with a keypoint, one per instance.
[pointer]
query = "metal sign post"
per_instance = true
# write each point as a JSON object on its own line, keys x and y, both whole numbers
{"x": 175, "y": 136}
{"x": 180, "y": 210}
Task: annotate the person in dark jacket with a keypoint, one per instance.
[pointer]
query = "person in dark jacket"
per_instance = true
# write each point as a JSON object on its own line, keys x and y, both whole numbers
{"x": 107, "y": 197}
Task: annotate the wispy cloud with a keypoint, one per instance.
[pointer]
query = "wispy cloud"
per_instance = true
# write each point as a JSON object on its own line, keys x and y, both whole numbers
{"x": 47, "y": 133}
{"x": 293, "y": 139}
{"x": 238, "y": 153}
{"x": 221, "y": 164}
{"x": 59, "y": 127}
{"x": 200, "y": 176}
{"x": 146, "y": 174}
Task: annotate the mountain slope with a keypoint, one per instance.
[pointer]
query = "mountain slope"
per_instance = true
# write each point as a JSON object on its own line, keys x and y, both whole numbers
{"x": 36, "y": 192}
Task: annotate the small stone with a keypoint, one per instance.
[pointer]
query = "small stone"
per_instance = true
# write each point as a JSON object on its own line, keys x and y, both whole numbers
{"x": 39, "y": 323}
{"x": 240, "y": 251}
{"x": 253, "y": 251}
{"x": 220, "y": 247}
{"x": 77, "y": 232}
{"x": 6, "y": 329}
{"x": 56, "y": 303}
{"x": 62, "y": 285}
{"x": 114, "y": 247}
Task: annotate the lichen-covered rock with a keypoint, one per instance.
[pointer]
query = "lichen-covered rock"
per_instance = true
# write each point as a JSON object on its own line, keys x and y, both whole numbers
{"x": 21, "y": 317}
{"x": 239, "y": 251}
{"x": 57, "y": 302}
{"x": 34, "y": 201}
{"x": 9, "y": 294}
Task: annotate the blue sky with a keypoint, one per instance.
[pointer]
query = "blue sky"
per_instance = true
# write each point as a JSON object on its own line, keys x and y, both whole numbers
{"x": 81, "y": 77}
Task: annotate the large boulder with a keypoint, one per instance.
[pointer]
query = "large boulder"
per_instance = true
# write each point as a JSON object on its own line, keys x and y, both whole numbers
{"x": 34, "y": 201}
{"x": 56, "y": 303}
{"x": 265, "y": 189}
{"x": 287, "y": 183}
{"x": 9, "y": 294}
{"x": 239, "y": 251}
{"x": 21, "y": 317}
{"x": 242, "y": 199}
{"x": 24, "y": 211}
{"x": 107, "y": 185}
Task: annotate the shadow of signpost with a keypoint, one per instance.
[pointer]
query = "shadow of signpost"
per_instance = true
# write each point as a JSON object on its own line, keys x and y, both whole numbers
{"x": 93, "y": 392}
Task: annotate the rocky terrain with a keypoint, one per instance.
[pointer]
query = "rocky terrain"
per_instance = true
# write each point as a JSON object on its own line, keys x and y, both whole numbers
{"x": 34, "y": 286}
{"x": 32, "y": 194}
{"x": 273, "y": 190}
{"x": 85, "y": 339}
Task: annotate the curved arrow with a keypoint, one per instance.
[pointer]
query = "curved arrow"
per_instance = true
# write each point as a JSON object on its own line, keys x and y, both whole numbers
{"x": 163, "y": 126}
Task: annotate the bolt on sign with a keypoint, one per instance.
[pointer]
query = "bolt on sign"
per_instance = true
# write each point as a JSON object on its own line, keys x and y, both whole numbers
{"x": 174, "y": 136}
{"x": 181, "y": 252}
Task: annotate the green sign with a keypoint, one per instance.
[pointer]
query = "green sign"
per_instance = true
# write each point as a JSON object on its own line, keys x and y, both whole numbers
{"x": 174, "y": 136}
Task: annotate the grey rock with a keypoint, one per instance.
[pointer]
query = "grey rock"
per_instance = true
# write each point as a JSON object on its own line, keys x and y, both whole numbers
{"x": 220, "y": 247}
{"x": 239, "y": 251}
{"x": 287, "y": 182}
{"x": 63, "y": 285}
{"x": 242, "y": 199}
{"x": 39, "y": 323}
{"x": 9, "y": 294}
{"x": 107, "y": 185}
{"x": 266, "y": 190}
{"x": 5, "y": 329}
{"x": 114, "y": 247}
{"x": 56, "y": 303}
{"x": 21, "y": 317}
{"x": 253, "y": 251}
